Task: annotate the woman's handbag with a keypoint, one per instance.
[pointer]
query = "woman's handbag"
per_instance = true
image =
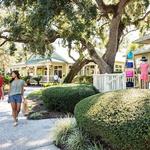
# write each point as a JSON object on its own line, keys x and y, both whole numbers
{"x": 130, "y": 55}
{"x": 25, "y": 109}
{"x": 129, "y": 84}
{"x": 129, "y": 73}
{"x": 129, "y": 64}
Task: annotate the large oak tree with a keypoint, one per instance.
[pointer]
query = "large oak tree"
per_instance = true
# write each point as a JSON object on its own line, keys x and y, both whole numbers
{"x": 39, "y": 23}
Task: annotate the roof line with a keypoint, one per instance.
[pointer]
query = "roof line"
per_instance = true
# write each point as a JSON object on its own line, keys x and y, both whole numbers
{"x": 142, "y": 39}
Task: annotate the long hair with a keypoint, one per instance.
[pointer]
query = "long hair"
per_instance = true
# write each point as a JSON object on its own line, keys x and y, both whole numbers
{"x": 16, "y": 72}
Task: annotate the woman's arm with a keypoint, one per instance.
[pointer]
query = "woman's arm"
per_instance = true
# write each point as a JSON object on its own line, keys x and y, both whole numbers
{"x": 22, "y": 90}
{"x": 9, "y": 90}
{"x": 2, "y": 90}
{"x": 2, "y": 87}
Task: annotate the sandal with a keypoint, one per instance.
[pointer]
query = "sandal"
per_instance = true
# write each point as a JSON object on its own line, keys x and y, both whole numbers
{"x": 15, "y": 124}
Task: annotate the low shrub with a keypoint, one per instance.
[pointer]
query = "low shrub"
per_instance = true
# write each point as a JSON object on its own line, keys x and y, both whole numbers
{"x": 120, "y": 118}
{"x": 36, "y": 95}
{"x": 50, "y": 84}
{"x": 64, "y": 97}
{"x": 83, "y": 79}
{"x": 69, "y": 137}
{"x": 36, "y": 116}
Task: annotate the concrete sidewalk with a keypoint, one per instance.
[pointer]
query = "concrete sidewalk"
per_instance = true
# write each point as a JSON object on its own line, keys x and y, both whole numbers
{"x": 28, "y": 135}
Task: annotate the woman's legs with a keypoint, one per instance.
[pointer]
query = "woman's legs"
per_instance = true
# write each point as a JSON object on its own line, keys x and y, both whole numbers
{"x": 16, "y": 105}
{"x": 14, "y": 111}
{"x": 18, "y": 108}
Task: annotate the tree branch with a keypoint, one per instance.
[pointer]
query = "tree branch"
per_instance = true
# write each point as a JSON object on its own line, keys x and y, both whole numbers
{"x": 105, "y": 9}
{"x": 124, "y": 35}
{"x": 19, "y": 40}
{"x": 122, "y": 4}
{"x": 3, "y": 43}
{"x": 142, "y": 18}
{"x": 69, "y": 53}
{"x": 48, "y": 39}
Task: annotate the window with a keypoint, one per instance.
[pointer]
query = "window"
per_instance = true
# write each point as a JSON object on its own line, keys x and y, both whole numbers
{"x": 89, "y": 70}
{"x": 118, "y": 68}
{"x": 58, "y": 67}
{"x": 58, "y": 70}
{"x": 92, "y": 66}
{"x": 45, "y": 71}
{"x": 39, "y": 71}
{"x": 70, "y": 67}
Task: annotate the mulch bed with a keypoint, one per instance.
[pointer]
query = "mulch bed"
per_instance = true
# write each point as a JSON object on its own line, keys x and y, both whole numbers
{"x": 37, "y": 107}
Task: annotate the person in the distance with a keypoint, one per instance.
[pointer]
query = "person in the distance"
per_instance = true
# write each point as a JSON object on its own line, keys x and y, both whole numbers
{"x": 1, "y": 87}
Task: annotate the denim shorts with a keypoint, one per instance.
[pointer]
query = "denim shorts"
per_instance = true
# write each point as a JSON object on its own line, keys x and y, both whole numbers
{"x": 15, "y": 98}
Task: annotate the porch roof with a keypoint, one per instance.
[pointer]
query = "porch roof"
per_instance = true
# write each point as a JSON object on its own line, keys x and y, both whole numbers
{"x": 142, "y": 51}
{"x": 143, "y": 40}
{"x": 38, "y": 59}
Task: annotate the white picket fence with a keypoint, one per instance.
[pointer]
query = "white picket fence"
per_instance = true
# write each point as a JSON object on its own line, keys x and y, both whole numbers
{"x": 109, "y": 82}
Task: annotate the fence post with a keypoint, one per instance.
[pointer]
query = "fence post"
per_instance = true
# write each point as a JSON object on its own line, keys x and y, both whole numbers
{"x": 124, "y": 80}
{"x": 106, "y": 83}
{"x": 95, "y": 81}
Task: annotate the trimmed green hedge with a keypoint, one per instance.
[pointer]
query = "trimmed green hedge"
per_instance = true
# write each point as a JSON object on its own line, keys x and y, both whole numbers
{"x": 36, "y": 95}
{"x": 64, "y": 97}
{"x": 120, "y": 118}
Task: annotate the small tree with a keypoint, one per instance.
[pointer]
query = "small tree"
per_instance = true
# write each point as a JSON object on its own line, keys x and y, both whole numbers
{"x": 27, "y": 79}
{"x": 37, "y": 79}
{"x": 7, "y": 79}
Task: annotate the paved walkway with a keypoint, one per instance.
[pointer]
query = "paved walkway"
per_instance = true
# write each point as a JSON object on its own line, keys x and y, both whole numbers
{"x": 28, "y": 135}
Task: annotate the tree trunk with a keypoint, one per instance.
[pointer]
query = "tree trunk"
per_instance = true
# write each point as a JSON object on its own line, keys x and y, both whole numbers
{"x": 77, "y": 66}
{"x": 103, "y": 67}
{"x": 116, "y": 31}
{"x": 106, "y": 63}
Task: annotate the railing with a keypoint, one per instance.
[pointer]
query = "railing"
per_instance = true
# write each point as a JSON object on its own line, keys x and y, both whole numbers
{"x": 109, "y": 82}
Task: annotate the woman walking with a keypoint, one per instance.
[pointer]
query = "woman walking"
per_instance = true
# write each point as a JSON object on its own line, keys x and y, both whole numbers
{"x": 144, "y": 67}
{"x": 15, "y": 95}
{"x": 1, "y": 88}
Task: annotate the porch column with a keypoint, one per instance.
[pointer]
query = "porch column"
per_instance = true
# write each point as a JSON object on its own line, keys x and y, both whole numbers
{"x": 67, "y": 69}
{"x": 96, "y": 69}
{"x": 84, "y": 71}
{"x": 35, "y": 70}
{"x": 48, "y": 73}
